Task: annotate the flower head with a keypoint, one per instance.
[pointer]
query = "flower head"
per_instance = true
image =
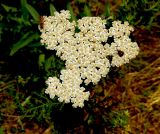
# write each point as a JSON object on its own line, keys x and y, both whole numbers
{"x": 84, "y": 54}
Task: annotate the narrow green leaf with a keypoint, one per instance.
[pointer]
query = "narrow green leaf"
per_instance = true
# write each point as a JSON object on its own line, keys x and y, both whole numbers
{"x": 24, "y": 41}
{"x": 107, "y": 12}
{"x": 8, "y": 8}
{"x": 87, "y": 11}
{"x": 69, "y": 7}
{"x": 33, "y": 12}
{"x": 27, "y": 100}
{"x": 52, "y": 9}
{"x": 24, "y": 9}
{"x": 23, "y": 4}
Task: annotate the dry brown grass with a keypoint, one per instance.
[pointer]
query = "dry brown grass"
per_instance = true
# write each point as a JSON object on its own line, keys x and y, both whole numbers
{"x": 142, "y": 93}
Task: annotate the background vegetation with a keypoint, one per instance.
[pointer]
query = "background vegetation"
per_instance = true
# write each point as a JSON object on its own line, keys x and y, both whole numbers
{"x": 126, "y": 101}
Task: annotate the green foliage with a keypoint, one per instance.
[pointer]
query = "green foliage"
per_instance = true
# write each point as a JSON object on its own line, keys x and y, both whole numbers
{"x": 8, "y": 8}
{"x": 107, "y": 12}
{"x": 54, "y": 64}
{"x": 17, "y": 25}
{"x": 39, "y": 109}
{"x": 22, "y": 22}
{"x": 142, "y": 13}
{"x": 33, "y": 105}
{"x": 117, "y": 118}
{"x": 87, "y": 11}
{"x": 25, "y": 40}
{"x": 69, "y": 7}
{"x": 33, "y": 12}
{"x": 52, "y": 9}
{"x": 29, "y": 38}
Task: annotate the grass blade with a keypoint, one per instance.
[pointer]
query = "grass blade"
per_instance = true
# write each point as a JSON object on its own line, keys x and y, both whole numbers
{"x": 9, "y": 8}
{"x": 107, "y": 11}
{"x": 24, "y": 41}
{"x": 33, "y": 12}
{"x": 24, "y": 10}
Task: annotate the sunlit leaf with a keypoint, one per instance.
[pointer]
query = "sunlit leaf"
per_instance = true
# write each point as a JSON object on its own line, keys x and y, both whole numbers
{"x": 87, "y": 11}
{"x": 52, "y": 9}
{"x": 107, "y": 10}
{"x": 33, "y": 12}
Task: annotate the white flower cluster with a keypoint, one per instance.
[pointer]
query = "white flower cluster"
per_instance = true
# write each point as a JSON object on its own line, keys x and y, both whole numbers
{"x": 85, "y": 52}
